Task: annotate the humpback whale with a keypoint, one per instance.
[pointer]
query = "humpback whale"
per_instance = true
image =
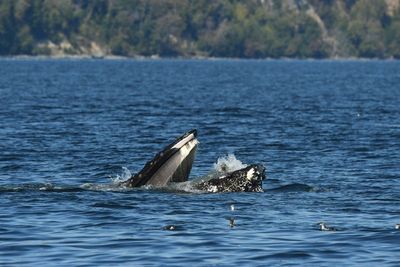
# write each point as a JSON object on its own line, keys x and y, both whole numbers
{"x": 174, "y": 163}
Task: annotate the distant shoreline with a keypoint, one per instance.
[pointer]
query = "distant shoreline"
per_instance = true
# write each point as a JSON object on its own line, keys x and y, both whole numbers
{"x": 200, "y": 58}
{"x": 257, "y": 29}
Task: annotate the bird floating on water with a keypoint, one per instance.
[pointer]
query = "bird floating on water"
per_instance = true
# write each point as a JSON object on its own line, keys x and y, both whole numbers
{"x": 397, "y": 226}
{"x": 170, "y": 227}
{"x": 324, "y": 227}
{"x": 232, "y": 222}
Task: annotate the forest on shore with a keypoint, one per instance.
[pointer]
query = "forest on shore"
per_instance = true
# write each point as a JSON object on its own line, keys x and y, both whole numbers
{"x": 201, "y": 28}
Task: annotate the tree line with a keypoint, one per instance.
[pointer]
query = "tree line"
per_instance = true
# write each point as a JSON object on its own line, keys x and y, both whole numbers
{"x": 209, "y": 28}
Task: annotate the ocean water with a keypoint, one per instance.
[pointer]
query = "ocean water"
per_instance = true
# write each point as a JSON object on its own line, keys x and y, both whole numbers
{"x": 328, "y": 133}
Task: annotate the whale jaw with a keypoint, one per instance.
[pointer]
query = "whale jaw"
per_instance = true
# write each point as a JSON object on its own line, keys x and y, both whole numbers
{"x": 248, "y": 179}
{"x": 172, "y": 164}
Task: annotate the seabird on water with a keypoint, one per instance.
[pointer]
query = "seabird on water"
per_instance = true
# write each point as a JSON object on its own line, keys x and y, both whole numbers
{"x": 324, "y": 227}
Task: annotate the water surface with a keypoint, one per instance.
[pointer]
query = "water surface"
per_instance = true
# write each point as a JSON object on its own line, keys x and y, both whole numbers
{"x": 328, "y": 133}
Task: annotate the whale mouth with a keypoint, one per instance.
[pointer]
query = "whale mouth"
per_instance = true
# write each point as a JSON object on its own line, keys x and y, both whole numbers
{"x": 172, "y": 164}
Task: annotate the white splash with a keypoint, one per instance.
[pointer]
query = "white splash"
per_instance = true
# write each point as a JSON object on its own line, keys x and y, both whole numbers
{"x": 125, "y": 175}
{"x": 228, "y": 163}
{"x": 104, "y": 187}
{"x": 186, "y": 187}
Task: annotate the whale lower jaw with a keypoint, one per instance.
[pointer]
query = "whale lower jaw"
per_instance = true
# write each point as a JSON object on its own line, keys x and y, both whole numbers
{"x": 177, "y": 168}
{"x": 173, "y": 164}
{"x": 248, "y": 179}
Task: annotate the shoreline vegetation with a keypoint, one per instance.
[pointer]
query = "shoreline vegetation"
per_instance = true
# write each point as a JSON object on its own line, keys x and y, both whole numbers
{"x": 203, "y": 29}
{"x": 183, "y": 58}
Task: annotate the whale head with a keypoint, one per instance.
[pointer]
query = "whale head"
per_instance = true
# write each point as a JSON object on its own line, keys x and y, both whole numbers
{"x": 248, "y": 179}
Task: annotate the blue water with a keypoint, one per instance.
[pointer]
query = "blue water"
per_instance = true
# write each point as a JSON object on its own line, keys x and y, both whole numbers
{"x": 327, "y": 132}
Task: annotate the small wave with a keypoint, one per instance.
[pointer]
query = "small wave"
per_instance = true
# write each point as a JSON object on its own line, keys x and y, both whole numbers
{"x": 49, "y": 187}
{"x": 296, "y": 187}
{"x": 286, "y": 255}
{"x": 44, "y": 187}
{"x": 114, "y": 187}
{"x": 182, "y": 187}
{"x": 110, "y": 187}
{"x": 186, "y": 187}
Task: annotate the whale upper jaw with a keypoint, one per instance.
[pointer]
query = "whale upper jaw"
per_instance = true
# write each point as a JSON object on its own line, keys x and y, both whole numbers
{"x": 172, "y": 164}
{"x": 248, "y": 179}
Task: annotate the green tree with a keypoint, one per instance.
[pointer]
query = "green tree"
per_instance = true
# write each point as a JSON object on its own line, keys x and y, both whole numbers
{"x": 392, "y": 36}
{"x": 7, "y": 28}
{"x": 365, "y": 30}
